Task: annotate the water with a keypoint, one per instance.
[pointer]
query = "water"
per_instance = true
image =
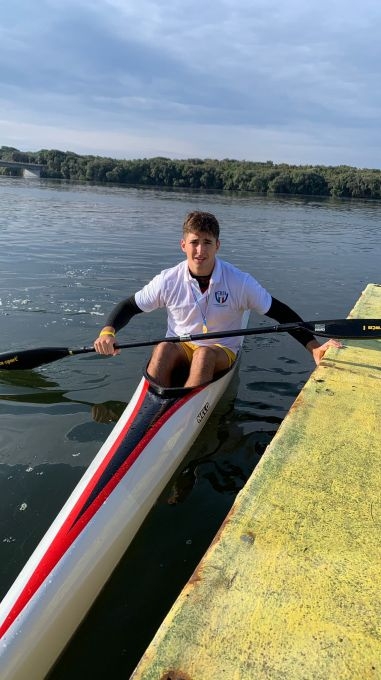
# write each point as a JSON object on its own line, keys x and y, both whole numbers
{"x": 69, "y": 253}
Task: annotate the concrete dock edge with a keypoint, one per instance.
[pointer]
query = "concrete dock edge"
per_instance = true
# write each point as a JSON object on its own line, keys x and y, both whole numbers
{"x": 290, "y": 588}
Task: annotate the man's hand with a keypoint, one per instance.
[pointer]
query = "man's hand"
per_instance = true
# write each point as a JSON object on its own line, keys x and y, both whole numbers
{"x": 318, "y": 351}
{"x": 105, "y": 342}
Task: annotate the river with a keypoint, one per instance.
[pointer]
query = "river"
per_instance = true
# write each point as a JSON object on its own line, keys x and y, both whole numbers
{"x": 68, "y": 253}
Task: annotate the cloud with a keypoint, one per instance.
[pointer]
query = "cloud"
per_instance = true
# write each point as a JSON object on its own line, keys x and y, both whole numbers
{"x": 214, "y": 74}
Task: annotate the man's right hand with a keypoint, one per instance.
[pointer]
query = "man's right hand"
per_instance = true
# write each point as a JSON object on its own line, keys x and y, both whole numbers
{"x": 105, "y": 342}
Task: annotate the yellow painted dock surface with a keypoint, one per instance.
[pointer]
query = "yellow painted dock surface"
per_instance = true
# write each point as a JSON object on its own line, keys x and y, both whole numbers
{"x": 290, "y": 588}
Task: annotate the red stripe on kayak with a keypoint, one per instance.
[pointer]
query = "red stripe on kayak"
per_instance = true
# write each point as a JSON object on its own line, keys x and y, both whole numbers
{"x": 71, "y": 529}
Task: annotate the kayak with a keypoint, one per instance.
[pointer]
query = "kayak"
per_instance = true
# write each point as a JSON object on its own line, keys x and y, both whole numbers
{"x": 80, "y": 550}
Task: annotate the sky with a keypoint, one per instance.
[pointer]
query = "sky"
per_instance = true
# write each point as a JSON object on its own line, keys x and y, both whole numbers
{"x": 292, "y": 82}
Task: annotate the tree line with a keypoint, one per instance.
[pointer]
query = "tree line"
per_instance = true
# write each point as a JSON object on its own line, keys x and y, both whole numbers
{"x": 206, "y": 174}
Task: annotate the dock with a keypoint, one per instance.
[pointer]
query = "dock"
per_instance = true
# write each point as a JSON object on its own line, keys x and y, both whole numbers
{"x": 290, "y": 588}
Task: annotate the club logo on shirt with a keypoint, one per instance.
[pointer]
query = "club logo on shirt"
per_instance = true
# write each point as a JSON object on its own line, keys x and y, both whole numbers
{"x": 221, "y": 296}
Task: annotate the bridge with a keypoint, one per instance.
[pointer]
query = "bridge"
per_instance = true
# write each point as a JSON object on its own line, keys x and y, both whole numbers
{"x": 28, "y": 169}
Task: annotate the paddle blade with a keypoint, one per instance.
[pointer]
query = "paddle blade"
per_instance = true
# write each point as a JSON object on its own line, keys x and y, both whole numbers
{"x": 31, "y": 358}
{"x": 353, "y": 329}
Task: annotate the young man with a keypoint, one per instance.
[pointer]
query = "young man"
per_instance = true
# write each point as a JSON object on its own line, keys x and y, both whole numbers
{"x": 202, "y": 294}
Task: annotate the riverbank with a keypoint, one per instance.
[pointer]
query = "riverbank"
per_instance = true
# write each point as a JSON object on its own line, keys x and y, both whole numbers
{"x": 263, "y": 178}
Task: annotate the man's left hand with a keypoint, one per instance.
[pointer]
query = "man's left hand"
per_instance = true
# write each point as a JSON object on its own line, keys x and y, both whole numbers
{"x": 318, "y": 351}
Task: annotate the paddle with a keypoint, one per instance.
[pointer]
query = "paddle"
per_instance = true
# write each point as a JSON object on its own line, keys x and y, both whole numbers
{"x": 356, "y": 329}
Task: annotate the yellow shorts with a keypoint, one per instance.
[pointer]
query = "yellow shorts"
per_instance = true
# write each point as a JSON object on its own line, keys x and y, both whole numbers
{"x": 190, "y": 347}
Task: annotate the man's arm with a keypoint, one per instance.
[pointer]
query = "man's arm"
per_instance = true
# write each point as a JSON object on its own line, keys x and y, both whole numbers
{"x": 123, "y": 313}
{"x": 119, "y": 317}
{"x": 284, "y": 314}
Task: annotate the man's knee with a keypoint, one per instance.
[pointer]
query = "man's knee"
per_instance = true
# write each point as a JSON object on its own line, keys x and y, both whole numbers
{"x": 213, "y": 357}
{"x": 167, "y": 364}
{"x": 204, "y": 354}
{"x": 164, "y": 350}
{"x": 167, "y": 354}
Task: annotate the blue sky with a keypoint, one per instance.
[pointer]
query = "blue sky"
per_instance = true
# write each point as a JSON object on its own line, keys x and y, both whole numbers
{"x": 294, "y": 82}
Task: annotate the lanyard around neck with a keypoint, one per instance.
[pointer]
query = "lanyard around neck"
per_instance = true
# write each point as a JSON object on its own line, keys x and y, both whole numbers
{"x": 203, "y": 314}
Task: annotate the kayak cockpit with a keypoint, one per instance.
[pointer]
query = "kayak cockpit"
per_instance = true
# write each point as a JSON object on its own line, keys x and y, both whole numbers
{"x": 178, "y": 390}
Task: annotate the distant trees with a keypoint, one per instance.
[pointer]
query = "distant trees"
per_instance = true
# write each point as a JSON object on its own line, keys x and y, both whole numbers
{"x": 205, "y": 174}
{"x": 299, "y": 181}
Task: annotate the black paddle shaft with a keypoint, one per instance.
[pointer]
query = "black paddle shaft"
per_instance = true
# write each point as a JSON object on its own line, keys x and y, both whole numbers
{"x": 355, "y": 329}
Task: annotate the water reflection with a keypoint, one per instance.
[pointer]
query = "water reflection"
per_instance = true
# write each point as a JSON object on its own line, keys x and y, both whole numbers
{"x": 25, "y": 379}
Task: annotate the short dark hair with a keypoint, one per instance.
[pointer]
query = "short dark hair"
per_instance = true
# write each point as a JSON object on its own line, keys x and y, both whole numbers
{"x": 201, "y": 221}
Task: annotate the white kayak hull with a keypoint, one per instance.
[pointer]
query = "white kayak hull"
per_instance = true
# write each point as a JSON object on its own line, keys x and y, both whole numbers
{"x": 79, "y": 552}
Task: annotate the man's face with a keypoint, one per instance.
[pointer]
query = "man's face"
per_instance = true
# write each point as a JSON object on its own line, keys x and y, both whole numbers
{"x": 200, "y": 248}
